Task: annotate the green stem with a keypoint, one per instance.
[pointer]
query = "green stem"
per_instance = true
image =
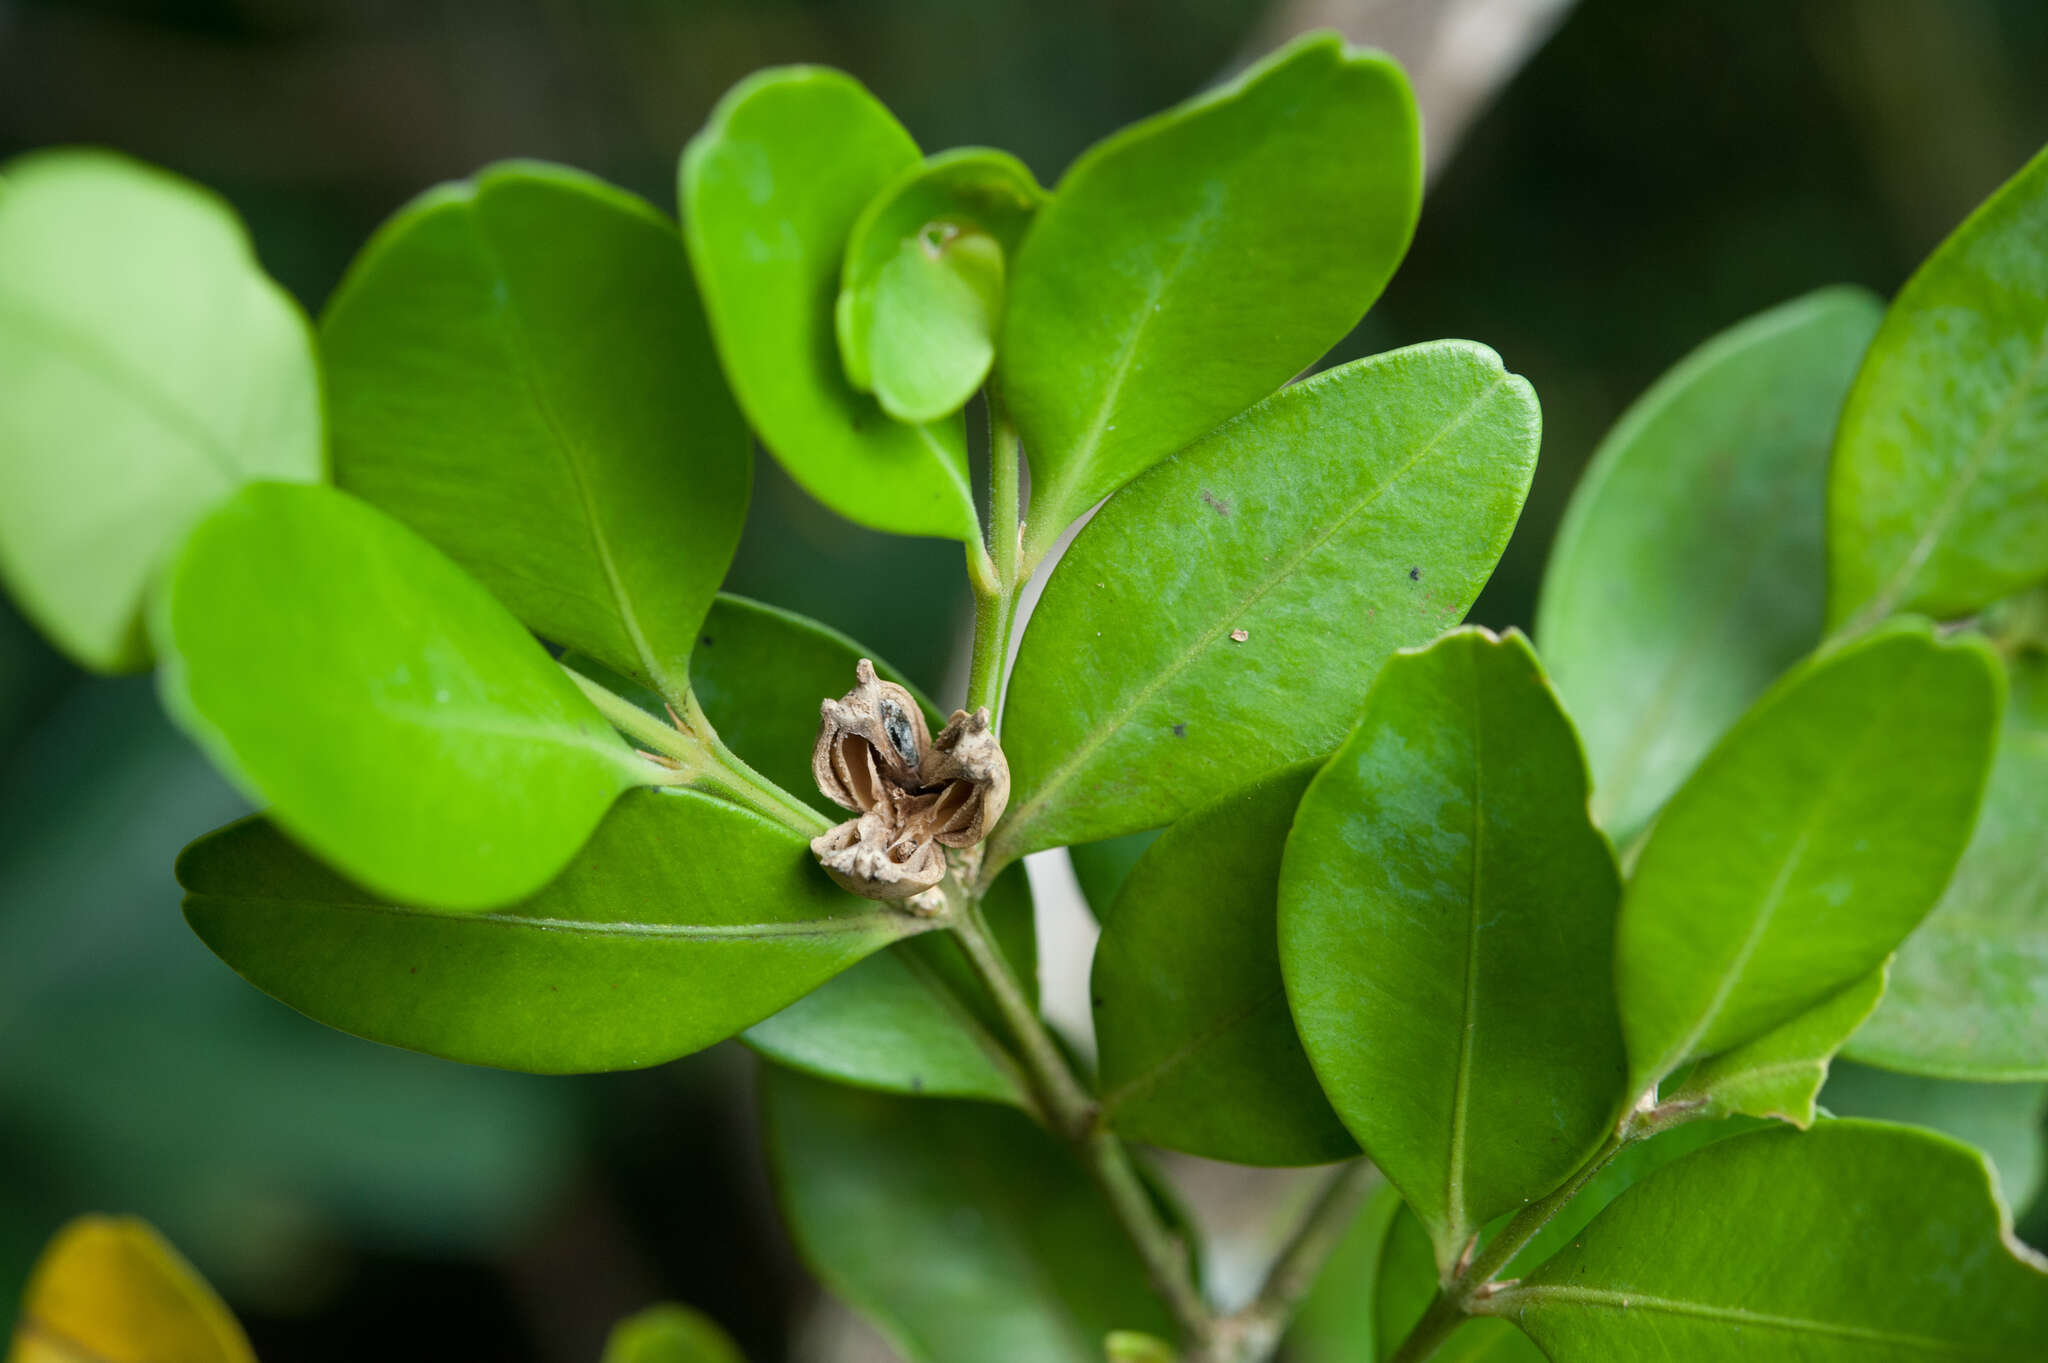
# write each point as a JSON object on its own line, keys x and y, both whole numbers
{"x": 1070, "y": 1113}
{"x": 701, "y": 761}
{"x": 1475, "y": 1281}
{"x": 995, "y": 603}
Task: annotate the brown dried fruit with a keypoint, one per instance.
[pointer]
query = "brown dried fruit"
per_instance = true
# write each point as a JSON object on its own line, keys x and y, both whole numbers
{"x": 913, "y": 795}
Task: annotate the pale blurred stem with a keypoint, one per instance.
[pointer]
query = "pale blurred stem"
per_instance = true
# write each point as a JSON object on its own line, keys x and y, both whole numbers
{"x": 1468, "y": 1292}
{"x": 702, "y": 761}
{"x": 1252, "y": 1334}
{"x": 995, "y": 603}
{"x": 1070, "y": 1113}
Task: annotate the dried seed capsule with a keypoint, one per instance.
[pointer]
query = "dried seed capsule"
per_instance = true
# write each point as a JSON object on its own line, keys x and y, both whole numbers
{"x": 912, "y": 795}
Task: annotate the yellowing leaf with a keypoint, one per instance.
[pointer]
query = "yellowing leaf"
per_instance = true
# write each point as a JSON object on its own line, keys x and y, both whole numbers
{"x": 109, "y": 1289}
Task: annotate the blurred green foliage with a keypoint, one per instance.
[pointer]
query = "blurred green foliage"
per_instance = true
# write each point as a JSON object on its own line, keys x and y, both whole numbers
{"x": 1658, "y": 171}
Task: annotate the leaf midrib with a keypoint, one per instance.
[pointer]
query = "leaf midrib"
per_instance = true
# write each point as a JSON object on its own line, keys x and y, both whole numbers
{"x": 572, "y": 454}
{"x": 1613, "y": 1299}
{"x": 897, "y": 925}
{"x": 1009, "y": 836}
{"x": 1461, "y": 1092}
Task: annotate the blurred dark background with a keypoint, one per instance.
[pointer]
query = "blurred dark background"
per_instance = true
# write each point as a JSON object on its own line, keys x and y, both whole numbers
{"x": 1656, "y": 171}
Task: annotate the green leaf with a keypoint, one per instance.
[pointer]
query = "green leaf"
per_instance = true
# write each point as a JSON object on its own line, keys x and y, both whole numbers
{"x": 1198, "y": 1051}
{"x": 1446, "y": 928}
{"x": 2004, "y": 1121}
{"x": 1102, "y": 867}
{"x": 1689, "y": 569}
{"x": 1335, "y": 1322}
{"x": 684, "y": 920}
{"x": 518, "y": 368}
{"x": 914, "y": 1018}
{"x": 1347, "y": 516}
{"x": 1969, "y": 991}
{"x": 1406, "y": 1285}
{"x": 771, "y": 189}
{"x": 1811, "y": 840}
{"x": 396, "y": 719}
{"x": 1857, "y": 1241}
{"x": 1938, "y": 495}
{"x": 962, "y": 1231}
{"x": 148, "y": 368}
{"x": 1407, "y": 1273}
{"x": 669, "y": 1333}
{"x": 1191, "y": 264}
{"x": 1780, "y": 1073}
{"x": 923, "y": 280}
{"x": 1129, "y": 1346}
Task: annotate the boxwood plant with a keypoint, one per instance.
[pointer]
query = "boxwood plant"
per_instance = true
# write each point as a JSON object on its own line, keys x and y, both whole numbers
{"x": 1544, "y": 947}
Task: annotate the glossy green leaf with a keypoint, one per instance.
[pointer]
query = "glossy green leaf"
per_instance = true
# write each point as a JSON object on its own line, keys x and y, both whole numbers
{"x": 962, "y": 1231}
{"x": 148, "y": 368}
{"x": 1407, "y": 1277}
{"x": 1811, "y": 840}
{"x": 1191, "y": 264}
{"x": 1446, "y": 928}
{"x": 1197, "y": 1048}
{"x": 1854, "y": 1241}
{"x": 1406, "y": 1285}
{"x": 518, "y": 368}
{"x": 2003, "y": 1121}
{"x": 1689, "y": 570}
{"x": 1335, "y": 1321}
{"x": 669, "y": 1333}
{"x": 914, "y": 1018}
{"x": 1780, "y": 1073}
{"x": 684, "y": 920}
{"x": 1101, "y": 868}
{"x": 1969, "y": 991}
{"x": 396, "y": 719}
{"x": 771, "y": 189}
{"x": 1938, "y": 495}
{"x": 923, "y": 282}
{"x": 1349, "y": 515}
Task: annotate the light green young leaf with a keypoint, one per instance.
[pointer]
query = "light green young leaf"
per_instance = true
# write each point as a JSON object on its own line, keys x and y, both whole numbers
{"x": 771, "y": 189}
{"x": 1222, "y": 617}
{"x": 1969, "y": 992}
{"x": 148, "y": 368}
{"x": 960, "y": 1230}
{"x": 1446, "y": 930}
{"x": 518, "y": 369}
{"x": 923, "y": 282}
{"x": 1811, "y": 840}
{"x": 1198, "y": 1051}
{"x": 685, "y": 920}
{"x": 1857, "y": 1241}
{"x": 1938, "y": 495}
{"x": 394, "y": 717}
{"x": 669, "y": 1333}
{"x": 1780, "y": 1073}
{"x": 1689, "y": 570}
{"x": 1191, "y": 264}
{"x": 2004, "y": 1121}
